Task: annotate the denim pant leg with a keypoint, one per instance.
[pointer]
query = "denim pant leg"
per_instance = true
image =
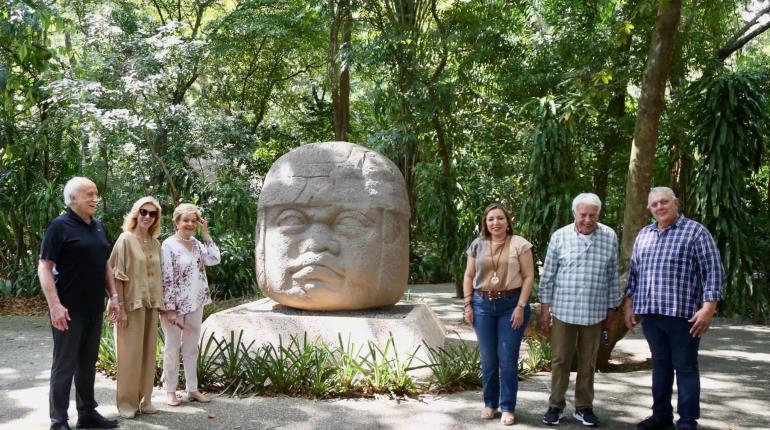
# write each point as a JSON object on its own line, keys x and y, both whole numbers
{"x": 662, "y": 368}
{"x": 684, "y": 357}
{"x": 485, "y": 324}
{"x": 508, "y": 346}
{"x": 499, "y": 347}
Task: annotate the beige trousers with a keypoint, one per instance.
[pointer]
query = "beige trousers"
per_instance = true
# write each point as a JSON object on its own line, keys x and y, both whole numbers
{"x": 187, "y": 340}
{"x": 565, "y": 338}
{"x": 135, "y": 345}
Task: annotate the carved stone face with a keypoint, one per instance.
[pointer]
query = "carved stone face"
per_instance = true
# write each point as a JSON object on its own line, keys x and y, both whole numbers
{"x": 332, "y": 229}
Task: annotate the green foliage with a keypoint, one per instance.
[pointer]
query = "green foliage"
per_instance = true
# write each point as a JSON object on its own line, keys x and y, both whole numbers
{"x": 552, "y": 173}
{"x": 107, "y": 359}
{"x": 729, "y": 112}
{"x": 523, "y": 103}
{"x": 316, "y": 369}
{"x": 453, "y": 368}
{"x": 538, "y": 358}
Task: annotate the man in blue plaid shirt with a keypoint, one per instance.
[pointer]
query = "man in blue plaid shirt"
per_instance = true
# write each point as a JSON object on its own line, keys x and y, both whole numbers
{"x": 674, "y": 283}
{"x": 579, "y": 290}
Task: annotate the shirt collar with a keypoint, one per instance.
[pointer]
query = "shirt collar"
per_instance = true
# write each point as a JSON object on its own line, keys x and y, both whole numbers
{"x": 73, "y": 216}
{"x": 677, "y": 223}
{"x": 579, "y": 234}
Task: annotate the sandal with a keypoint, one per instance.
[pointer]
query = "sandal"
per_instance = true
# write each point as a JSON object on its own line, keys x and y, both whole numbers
{"x": 507, "y": 419}
{"x": 487, "y": 413}
{"x": 197, "y": 396}
{"x": 172, "y": 399}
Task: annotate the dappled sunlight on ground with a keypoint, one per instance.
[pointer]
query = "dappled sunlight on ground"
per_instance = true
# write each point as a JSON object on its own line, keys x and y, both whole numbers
{"x": 734, "y": 375}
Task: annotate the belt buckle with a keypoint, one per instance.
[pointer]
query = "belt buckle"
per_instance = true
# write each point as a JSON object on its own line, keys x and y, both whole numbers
{"x": 494, "y": 295}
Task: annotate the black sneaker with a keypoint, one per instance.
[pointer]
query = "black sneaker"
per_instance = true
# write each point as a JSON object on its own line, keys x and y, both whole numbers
{"x": 586, "y": 416}
{"x": 552, "y": 416}
{"x": 655, "y": 423}
{"x": 95, "y": 420}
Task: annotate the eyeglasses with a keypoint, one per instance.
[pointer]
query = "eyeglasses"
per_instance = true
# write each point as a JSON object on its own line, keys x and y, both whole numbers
{"x": 145, "y": 212}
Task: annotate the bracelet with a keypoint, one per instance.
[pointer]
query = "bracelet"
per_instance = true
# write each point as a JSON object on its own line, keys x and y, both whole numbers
{"x": 519, "y": 305}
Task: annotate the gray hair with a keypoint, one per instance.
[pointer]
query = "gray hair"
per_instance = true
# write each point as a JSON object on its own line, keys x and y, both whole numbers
{"x": 666, "y": 190}
{"x": 72, "y": 187}
{"x": 586, "y": 199}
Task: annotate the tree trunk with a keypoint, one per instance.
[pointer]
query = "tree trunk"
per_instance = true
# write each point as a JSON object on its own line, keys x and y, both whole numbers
{"x": 611, "y": 141}
{"x": 640, "y": 165}
{"x": 339, "y": 70}
{"x": 647, "y": 121}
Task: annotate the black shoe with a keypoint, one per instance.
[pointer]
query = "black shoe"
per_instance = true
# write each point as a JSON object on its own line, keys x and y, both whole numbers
{"x": 552, "y": 416}
{"x": 62, "y": 425}
{"x": 586, "y": 416}
{"x": 655, "y": 423}
{"x": 94, "y": 420}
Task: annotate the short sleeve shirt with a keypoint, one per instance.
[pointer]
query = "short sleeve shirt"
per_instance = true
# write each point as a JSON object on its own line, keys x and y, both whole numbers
{"x": 479, "y": 250}
{"x": 137, "y": 264}
{"x": 80, "y": 251}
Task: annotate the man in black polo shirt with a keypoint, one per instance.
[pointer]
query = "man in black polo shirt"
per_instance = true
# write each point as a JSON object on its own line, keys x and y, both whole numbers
{"x": 74, "y": 274}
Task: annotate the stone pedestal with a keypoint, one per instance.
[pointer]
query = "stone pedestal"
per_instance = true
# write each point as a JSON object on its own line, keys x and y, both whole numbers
{"x": 263, "y": 321}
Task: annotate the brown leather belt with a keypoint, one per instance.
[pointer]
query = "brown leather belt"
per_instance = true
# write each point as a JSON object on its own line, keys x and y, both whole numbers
{"x": 494, "y": 295}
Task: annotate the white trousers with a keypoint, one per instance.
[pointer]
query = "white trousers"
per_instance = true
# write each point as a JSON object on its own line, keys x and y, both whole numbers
{"x": 187, "y": 339}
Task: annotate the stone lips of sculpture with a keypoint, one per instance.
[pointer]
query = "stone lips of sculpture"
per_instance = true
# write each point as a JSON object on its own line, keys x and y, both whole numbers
{"x": 332, "y": 229}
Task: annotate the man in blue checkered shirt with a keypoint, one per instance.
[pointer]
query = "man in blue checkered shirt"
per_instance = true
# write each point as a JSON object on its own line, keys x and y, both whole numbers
{"x": 674, "y": 283}
{"x": 579, "y": 290}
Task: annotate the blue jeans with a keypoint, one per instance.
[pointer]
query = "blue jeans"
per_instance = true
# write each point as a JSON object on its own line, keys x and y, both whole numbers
{"x": 674, "y": 351}
{"x": 499, "y": 345}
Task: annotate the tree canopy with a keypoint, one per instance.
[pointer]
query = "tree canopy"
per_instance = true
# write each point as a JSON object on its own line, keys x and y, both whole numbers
{"x": 525, "y": 103}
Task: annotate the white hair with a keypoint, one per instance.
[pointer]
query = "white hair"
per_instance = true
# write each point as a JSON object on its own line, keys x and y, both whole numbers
{"x": 666, "y": 190}
{"x": 586, "y": 199}
{"x": 72, "y": 187}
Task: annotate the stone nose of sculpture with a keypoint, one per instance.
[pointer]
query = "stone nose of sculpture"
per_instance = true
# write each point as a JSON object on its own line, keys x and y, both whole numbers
{"x": 320, "y": 238}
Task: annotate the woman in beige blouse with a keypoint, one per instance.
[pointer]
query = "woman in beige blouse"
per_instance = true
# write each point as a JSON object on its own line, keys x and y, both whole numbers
{"x": 135, "y": 262}
{"x": 497, "y": 284}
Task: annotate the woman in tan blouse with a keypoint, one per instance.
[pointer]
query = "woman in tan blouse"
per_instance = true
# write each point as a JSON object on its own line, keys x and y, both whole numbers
{"x": 135, "y": 262}
{"x": 497, "y": 284}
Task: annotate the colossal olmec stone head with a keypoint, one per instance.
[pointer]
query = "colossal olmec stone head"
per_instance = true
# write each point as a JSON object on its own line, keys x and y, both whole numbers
{"x": 332, "y": 229}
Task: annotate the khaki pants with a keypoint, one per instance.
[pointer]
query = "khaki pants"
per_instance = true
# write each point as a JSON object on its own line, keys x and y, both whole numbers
{"x": 566, "y": 339}
{"x": 187, "y": 340}
{"x": 135, "y": 347}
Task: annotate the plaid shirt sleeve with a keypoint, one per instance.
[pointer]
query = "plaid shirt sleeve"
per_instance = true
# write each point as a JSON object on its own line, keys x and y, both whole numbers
{"x": 710, "y": 266}
{"x": 633, "y": 273}
{"x": 613, "y": 278}
{"x": 550, "y": 267}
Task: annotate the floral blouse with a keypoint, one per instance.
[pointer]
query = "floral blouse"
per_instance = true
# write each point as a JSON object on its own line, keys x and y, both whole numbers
{"x": 185, "y": 286}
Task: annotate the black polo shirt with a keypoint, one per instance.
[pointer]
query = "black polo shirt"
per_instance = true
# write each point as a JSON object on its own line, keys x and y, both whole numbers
{"x": 80, "y": 252}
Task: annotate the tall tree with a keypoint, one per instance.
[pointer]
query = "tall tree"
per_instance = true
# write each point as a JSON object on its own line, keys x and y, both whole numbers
{"x": 640, "y": 168}
{"x": 340, "y": 38}
{"x": 651, "y": 103}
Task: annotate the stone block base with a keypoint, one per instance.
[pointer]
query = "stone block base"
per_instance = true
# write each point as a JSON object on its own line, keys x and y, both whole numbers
{"x": 265, "y": 321}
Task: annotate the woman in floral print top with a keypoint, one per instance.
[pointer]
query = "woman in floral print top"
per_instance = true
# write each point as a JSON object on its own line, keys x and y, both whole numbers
{"x": 185, "y": 292}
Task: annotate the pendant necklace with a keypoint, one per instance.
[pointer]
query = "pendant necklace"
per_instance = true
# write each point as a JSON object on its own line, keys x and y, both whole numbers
{"x": 495, "y": 280}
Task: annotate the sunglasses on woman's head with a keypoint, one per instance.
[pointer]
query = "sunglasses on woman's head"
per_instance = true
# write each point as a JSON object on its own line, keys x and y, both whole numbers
{"x": 145, "y": 212}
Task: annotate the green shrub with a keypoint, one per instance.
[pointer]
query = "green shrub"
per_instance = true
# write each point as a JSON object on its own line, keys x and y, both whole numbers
{"x": 454, "y": 368}
{"x": 317, "y": 370}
